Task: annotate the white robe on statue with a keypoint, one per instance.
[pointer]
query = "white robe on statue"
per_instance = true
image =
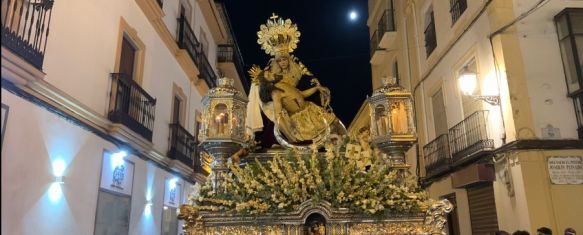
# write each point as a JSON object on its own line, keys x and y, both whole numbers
{"x": 254, "y": 122}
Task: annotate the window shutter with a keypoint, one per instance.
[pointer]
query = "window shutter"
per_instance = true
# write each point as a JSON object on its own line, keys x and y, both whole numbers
{"x": 127, "y": 58}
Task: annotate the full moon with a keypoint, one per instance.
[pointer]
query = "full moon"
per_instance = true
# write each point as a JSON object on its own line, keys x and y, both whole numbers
{"x": 353, "y": 15}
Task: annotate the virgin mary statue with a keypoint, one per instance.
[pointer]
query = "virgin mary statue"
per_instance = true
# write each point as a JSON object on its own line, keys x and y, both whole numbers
{"x": 274, "y": 90}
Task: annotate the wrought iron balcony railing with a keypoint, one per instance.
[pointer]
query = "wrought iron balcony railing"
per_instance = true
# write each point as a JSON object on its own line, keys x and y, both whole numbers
{"x": 25, "y": 28}
{"x": 132, "y": 105}
{"x": 437, "y": 157}
{"x": 239, "y": 63}
{"x": 430, "y": 37}
{"x": 183, "y": 146}
{"x": 387, "y": 22}
{"x": 206, "y": 72}
{"x": 469, "y": 138}
{"x": 374, "y": 42}
{"x": 457, "y": 9}
{"x": 230, "y": 53}
{"x": 188, "y": 41}
{"x": 225, "y": 53}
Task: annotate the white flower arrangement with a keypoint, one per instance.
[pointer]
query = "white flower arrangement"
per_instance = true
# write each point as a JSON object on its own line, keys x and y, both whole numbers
{"x": 341, "y": 179}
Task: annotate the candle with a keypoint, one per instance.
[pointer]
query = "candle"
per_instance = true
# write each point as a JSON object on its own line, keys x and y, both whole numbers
{"x": 223, "y": 122}
{"x": 218, "y": 124}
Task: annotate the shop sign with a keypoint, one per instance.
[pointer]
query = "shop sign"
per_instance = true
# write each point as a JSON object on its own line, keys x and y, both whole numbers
{"x": 172, "y": 193}
{"x": 117, "y": 174}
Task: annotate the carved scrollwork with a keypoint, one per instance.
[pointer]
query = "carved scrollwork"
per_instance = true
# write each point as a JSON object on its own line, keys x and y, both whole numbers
{"x": 192, "y": 221}
{"x": 436, "y": 215}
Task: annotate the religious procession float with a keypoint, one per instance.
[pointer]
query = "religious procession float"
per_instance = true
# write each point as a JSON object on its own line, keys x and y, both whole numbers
{"x": 320, "y": 180}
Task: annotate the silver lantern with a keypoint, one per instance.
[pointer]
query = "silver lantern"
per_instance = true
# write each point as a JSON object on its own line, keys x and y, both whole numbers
{"x": 223, "y": 127}
{"x": 392, "y": 126}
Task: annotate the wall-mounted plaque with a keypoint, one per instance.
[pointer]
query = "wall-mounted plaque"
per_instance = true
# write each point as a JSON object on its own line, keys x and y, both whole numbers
{"x": 566, "y": 169}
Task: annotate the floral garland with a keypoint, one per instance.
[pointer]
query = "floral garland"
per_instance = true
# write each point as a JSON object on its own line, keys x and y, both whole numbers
{"x": 285, "y": 182}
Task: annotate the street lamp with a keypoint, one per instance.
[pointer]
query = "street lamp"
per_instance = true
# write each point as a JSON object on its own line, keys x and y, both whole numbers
{"x": 468, "y": 81}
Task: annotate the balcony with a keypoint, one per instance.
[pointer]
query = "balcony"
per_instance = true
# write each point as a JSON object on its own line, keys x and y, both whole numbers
{"x": 437, "y": 157}
{"x": 131, "y": 105}
{"x": 183, "y": 146}
{"x": 25, "y": 28}
{"x": 468, "y": 140}
{"x": 231, "y": 64}
{"x": 206, "y": 72}
{"x": 387, "y": 29}
{"x": 383, "y": 39}
{"x": 188, "y": 41}
{"x": 375, "y": 49}
{"x": 457, "y": 9}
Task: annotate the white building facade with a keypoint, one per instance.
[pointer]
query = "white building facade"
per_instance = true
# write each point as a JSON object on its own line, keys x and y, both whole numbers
{"x": 100, "y": 107}
{"x": 493, "y": 151}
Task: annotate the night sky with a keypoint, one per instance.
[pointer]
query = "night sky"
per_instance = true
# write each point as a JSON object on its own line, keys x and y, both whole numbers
{"x": 335, "y": 49}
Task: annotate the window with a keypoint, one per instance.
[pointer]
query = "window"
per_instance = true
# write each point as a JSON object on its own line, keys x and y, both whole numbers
{"x": 169, "y": 221}
{"x": 129, "y": 103}
{"x": 178, "y": 105}
{"x": 570, "y": 32}
{"x": 457, "y": 8}
{"x": 176, "y": 110}
{"x": 127, "y": 58}
{"x": 439, "y": 117}
{"x": 430, "y": 37}
{"x": 130, "y": 53}
{"x": 182, "y": 142}
{"x": 113, "y": 213}
{"x": 126, "y": 71}
{"x": 453, "y": 224}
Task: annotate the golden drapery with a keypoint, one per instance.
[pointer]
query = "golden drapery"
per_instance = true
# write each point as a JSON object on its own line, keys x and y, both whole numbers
{"x": 308, "y": 123}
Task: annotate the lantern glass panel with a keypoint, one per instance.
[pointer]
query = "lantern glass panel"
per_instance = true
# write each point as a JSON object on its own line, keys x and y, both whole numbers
{"x": 399, "y": 118}
{"x": 219, "y": 126}
{"x": 238, "y": 120}
{"x": 381, "y": 120}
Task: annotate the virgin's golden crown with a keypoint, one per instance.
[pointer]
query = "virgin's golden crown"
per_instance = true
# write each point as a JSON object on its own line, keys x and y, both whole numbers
{"x": 278, "y": 36}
